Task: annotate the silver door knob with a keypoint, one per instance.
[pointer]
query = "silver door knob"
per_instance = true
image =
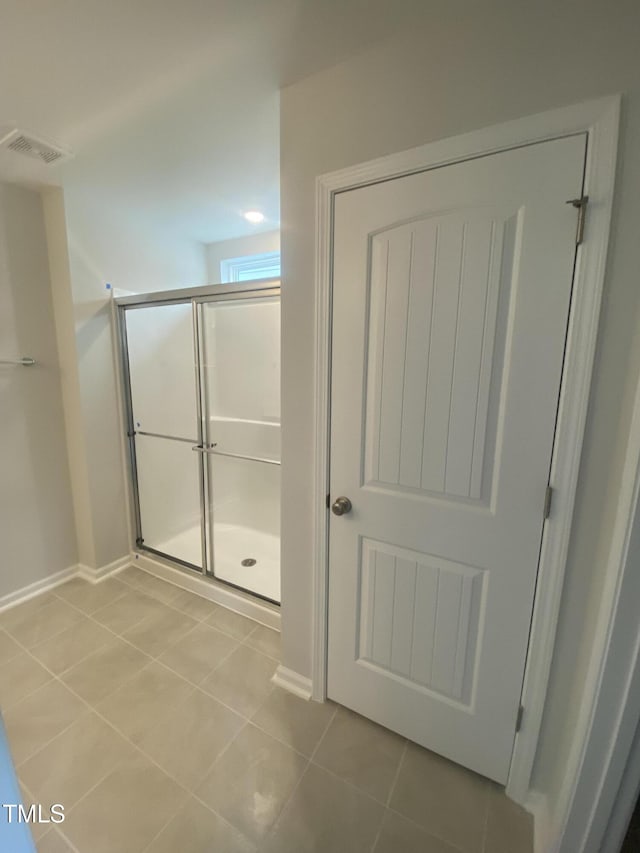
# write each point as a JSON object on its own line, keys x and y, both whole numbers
{"x": 341, "y": 506}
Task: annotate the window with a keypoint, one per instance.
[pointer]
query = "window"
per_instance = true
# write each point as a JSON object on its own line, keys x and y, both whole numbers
{"x": 250, "y": 267}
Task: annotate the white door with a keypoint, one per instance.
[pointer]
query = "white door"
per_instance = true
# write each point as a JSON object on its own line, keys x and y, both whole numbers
{"x": 451, "y": 293}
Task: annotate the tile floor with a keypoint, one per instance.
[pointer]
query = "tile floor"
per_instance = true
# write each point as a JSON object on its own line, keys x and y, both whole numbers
{"x": 149, "y": 713}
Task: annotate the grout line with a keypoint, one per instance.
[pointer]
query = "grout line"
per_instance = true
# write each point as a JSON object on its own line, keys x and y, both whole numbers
{"x": 397, "y": 773}
{"x": 209, "y": 808}
{"x": 8, "y": 636}
{"x": 214, "y": 604}
{"x": 323, "y": 735}
{"x": 151, "y": 658}
{"x": 389, "y": 808}
{"x": 52, "y": 828}
{"x": 140, "y": 587}
{"x": 93, "y": 709}
{"x": 67, "y": 841}
{"x": 119, "y": 763}
{"x": 349, "y": 784}
{"x": 69, "y": 809}
{"x": 52, "y": 636}
{"x": 285, "y": 805}
{"x": 246, "y": 720}
{"x": 188, "y": 791}
{"x": 379, "y": 832}
{"x": 486, "y": 821}
{"x": 136, "y": 624}
{"x": 304, "y": 772}
{"x": 51, "y": 739}
{"x": 427, "y": 832}
{"x": 4, "y": 709}
{"x": 194, "y": 685}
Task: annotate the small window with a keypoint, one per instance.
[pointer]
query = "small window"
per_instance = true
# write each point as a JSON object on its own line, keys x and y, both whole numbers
{"x": 250, "y": 267}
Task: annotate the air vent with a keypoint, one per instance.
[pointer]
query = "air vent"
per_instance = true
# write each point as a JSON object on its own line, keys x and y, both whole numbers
{"x": 22, "y": 142}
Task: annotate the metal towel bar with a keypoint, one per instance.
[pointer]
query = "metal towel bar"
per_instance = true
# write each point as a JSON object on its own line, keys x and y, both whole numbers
{"x": 25, "y": 361}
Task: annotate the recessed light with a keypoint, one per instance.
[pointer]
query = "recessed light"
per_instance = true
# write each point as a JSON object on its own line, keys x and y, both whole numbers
{"x": 254, "y": 216}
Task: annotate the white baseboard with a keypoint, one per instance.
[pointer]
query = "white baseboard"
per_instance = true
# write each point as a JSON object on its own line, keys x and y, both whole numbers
{"x": 96, "y": 575}
{"x": 266, "y": 614}
{"x": 537, "y": 804}
{"x": 19, "y": 596}
{"x": 292, "y": 681}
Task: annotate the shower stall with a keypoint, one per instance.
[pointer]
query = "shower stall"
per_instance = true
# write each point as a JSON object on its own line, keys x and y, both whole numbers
{"x": 201, "y": 376}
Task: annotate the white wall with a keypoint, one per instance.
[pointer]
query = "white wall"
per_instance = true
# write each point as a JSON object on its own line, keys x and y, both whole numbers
{"x": 253, "y": 244}
{"x": 37, "y": 531}
{"x": 102, "y": 247}
{"x": 453, "y": 74}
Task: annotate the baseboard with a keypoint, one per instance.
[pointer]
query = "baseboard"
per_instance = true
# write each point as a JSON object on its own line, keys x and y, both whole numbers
{"x": 537, "y": 804}
{"x": 19, "y": 596}
{"x": 266, "y": 614}
{"x": 96, "y": 575}
{"x": 293, "y": 682}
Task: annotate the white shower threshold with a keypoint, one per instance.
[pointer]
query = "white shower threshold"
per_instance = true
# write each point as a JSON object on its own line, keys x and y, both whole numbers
{"x": 233, "y": 544}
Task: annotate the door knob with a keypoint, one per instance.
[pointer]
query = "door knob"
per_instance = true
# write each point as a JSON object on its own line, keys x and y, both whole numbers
{"x": 341, "y": 506}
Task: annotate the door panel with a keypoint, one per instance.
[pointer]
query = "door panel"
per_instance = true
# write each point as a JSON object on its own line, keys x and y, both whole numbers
{"x": 245, "y": 523}
{"x": 419, "y": 618}
{"x": 161, "y": 365}
{"x": 169, "y": 495}
{"x": 162, "y": 370}
{"x": 432, "y": 339}
{"x": 450, "y": 304}
{"x": 241, "y": 382}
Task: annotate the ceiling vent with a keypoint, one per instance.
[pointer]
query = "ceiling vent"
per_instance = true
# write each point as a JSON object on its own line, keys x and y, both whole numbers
{"x": 23, "y": 142}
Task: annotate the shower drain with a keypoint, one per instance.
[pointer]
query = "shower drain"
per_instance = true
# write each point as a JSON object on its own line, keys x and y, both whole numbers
{"x": 248, "y": 561}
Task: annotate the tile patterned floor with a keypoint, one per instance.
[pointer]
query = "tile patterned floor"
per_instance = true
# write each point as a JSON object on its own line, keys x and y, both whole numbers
{"x": 150, "y": 714}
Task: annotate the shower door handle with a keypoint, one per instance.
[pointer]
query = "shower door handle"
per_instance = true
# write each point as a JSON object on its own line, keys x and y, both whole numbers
{"x": 198, "y": 448}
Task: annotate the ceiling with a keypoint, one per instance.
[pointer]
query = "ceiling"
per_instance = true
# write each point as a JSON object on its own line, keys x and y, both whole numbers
{"x": 171, "y": 106}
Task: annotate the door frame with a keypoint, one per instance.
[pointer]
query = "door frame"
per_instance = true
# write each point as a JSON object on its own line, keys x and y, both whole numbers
{"x": 600, "y": 120}
{"x": 602, "y": 781}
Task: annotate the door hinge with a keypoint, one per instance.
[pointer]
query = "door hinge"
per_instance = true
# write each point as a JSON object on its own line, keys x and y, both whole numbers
{"x": 581, "y": 206}
{"x": 328, "y": 501}
{"x": 548, "y": 498}
{"x": 519, "y": 718}
{"x": 139, "y": 541}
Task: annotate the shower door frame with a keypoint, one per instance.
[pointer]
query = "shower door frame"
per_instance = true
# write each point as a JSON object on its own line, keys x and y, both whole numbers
{"x": 197, "y": 297}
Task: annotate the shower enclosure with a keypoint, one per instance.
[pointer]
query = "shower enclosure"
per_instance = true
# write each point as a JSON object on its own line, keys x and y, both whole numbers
{"x": 202, "y": 392}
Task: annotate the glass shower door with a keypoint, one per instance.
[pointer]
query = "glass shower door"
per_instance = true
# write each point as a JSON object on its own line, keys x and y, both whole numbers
{"x": 241, "y": 383}
{"x": 164, "y": 410}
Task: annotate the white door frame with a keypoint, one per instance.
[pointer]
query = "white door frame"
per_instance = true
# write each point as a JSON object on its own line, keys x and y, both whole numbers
{"x": 602, "y": 777}
{"x": 600, "y": 119}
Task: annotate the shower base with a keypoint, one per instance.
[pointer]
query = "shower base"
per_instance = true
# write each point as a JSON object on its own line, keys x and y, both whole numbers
{"x": 233, "y": 544}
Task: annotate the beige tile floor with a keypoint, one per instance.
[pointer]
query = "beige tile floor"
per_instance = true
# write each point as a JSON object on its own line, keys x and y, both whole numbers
{"x": 149, "y": 713}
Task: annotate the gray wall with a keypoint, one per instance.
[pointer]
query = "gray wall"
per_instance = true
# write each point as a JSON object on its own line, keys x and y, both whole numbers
{"x": 37, "y": 532}
{"x": 452, "y": 74}
{"x": 89, "y": 248}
